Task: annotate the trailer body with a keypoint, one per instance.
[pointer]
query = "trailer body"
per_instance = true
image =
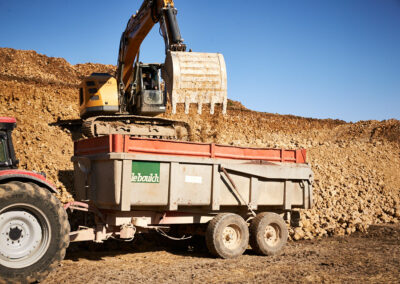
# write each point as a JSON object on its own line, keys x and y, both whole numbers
{"x": 157, "y": 179}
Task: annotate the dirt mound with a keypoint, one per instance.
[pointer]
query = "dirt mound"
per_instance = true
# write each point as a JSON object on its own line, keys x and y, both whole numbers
{"x": 357, "y": 180}
{"x": 29, "y": 66}
{"x": 235, "y": 105}
{"x": 86, "y": 69}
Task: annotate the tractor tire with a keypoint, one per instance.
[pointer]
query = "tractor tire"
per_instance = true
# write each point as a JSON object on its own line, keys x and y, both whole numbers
{"x": 268, "y": 233}
{"x": 227, "y": 235}
{"x": 34, "y": 232}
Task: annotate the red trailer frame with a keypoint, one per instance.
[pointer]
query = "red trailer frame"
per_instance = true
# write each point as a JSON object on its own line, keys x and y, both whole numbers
{"x": 117, "y": 143}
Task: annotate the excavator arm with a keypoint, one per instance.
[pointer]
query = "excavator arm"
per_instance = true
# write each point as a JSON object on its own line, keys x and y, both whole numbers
{"x": 138, "y": 27}
{"x": 190, "y": 77}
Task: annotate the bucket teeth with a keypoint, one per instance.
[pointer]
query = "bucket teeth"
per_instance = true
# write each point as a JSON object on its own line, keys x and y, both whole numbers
{"x": 194, "y": 77}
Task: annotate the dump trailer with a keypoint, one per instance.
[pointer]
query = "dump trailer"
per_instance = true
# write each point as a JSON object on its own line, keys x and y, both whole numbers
{"x": 233, "y": 196}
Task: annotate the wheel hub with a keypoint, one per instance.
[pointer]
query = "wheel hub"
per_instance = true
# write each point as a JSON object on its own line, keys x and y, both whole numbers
{"x": 231, "y": 237}
{"x": 271, "y": 235}
{"x": 23, "y": 237}
{"x": 15, "y": 233}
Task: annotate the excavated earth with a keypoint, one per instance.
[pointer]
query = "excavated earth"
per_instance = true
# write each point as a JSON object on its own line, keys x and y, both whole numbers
{"x": 356, "y": 167}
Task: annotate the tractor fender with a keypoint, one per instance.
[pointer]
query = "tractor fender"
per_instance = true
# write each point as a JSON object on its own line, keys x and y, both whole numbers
{"x": 27, "y": 176}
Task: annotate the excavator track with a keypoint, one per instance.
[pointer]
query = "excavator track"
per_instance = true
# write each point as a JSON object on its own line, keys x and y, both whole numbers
{"x": 135, "y": 125}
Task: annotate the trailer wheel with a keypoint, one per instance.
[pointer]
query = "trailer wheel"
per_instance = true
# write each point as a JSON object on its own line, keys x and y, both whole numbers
{"x": 227, "y": 235}
{"x": 268, "y": 233}
{"x": 34, "y": 232}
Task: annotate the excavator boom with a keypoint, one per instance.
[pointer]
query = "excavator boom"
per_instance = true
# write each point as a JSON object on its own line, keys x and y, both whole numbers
{"x": 138, "y": 27}
{"x": 190, "y": 77}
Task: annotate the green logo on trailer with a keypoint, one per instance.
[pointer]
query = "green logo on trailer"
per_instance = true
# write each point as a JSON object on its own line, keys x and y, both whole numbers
{"x": 145, "y": 172}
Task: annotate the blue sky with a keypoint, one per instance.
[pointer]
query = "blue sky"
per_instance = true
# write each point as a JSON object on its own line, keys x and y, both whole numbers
{"x": 314, "y": 58}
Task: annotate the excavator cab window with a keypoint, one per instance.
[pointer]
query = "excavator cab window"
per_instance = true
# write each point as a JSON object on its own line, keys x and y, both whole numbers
{"x": 150, "y": 77}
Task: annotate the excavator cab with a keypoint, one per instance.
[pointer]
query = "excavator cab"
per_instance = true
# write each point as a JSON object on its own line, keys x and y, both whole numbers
{"x": 149, "y": 99}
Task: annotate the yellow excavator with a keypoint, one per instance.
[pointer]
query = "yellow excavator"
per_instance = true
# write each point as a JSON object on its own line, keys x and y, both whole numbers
{"x": 129, "y": 102}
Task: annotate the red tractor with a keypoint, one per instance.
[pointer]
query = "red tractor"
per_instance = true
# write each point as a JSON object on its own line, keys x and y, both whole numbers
{"x": 34, "y": 228}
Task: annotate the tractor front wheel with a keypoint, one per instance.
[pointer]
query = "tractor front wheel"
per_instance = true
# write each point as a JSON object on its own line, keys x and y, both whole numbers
{"x": 34, "y": 232}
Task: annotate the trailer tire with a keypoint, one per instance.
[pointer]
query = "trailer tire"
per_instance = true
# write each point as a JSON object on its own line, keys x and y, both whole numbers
{"x": 30, "y": 211}
{"x": 227, "y": 235}
{"x": 268, "y": 233}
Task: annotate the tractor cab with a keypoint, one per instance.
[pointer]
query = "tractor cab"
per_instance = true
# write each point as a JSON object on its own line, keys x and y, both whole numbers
{"x": 7, "y": 154}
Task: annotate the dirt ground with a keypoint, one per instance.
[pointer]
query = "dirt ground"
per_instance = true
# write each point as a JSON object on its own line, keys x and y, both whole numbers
{"x": 362, "y": 257}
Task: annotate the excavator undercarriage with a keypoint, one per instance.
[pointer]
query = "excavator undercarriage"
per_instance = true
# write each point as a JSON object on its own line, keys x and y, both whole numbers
{"x": 135, "y": 125}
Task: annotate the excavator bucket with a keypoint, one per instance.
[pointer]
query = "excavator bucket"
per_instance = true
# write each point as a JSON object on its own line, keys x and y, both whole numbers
{"x": 194, "y": 77}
